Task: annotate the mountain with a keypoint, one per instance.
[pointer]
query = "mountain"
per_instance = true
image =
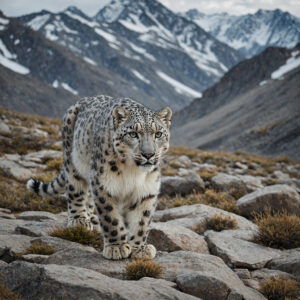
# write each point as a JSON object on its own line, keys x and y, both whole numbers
{"x": 40, "y": 76}
{"x": 254, "y": 107}
{"x": 251, "y": 33}
{"x": 160, "y": 54}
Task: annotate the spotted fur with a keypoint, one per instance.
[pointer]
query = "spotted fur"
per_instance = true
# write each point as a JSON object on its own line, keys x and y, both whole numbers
{"x": 112, "y": 150}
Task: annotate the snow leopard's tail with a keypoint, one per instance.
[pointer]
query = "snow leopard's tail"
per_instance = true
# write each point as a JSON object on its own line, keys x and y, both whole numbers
{"x": 57, "y": 186}
{"x": 48, "y": 189}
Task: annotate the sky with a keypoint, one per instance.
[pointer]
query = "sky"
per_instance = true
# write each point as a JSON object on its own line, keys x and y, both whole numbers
{"x": 91, "y": 7}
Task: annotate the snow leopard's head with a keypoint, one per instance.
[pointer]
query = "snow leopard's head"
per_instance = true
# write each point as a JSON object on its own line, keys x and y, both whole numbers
{"x": 141, "y": 135}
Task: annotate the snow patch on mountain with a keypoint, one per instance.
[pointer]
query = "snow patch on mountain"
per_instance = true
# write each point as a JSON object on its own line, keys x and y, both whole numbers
{"x": 108, "y": 36}
{"x": 290, "y": 64}
{"x": 133, "y": 23}
{"x": 81, "y": 19}
{"x": 140, "y": 76}
{"x": 6, "y": 60}
{"x": 90, "y": 61}
{"x": 49, "y": 30}
{"x": 68, "y": 88}
{"x": 179, "y": 87}
{"x": 38, "y": 21}
{"x": 4, "y": 21}
{"x": 142, "y": 51}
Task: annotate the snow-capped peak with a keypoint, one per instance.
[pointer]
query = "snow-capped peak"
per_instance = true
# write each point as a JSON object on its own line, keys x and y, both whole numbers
{"x": 251, "y": 33}
{"x": 74, "y": 10}
{"x": 111, "y": 11}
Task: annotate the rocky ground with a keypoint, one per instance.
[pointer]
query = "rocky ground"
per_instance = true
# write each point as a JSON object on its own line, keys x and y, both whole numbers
{"x": 204, "y": 227}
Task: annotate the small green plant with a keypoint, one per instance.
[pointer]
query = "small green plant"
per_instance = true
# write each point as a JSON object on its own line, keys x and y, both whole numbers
{"x": 6, "y": 294}
{"x": 219, "y": 223}
{"x": 138, "y": 269}
{"x": 79, "y": 234}
{"x": 39, "y": 248}
{"x": 280, "y": 289}
{"x": 278, "y": 230}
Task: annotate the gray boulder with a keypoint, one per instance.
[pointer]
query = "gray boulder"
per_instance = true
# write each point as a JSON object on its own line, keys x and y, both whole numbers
{"x": 238, "y": 252}
{"x": 69, "y": 282}
{"x": 288, "y": 261}
{"x": 204, "y": 276}
{"x": 225, "y": 182}
{"x": 4, "y": 128}
{"x": 11, "y": 246}
{"x": 197, "y": 216}
{"x": 277, "y": 197}
{"x": 182, "y": 185}
{"x": 170, "y": 237}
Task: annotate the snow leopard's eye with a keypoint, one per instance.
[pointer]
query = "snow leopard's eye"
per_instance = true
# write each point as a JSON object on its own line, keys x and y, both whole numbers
{"x": 133, "y": 134}
{"x": 158, "y": 134}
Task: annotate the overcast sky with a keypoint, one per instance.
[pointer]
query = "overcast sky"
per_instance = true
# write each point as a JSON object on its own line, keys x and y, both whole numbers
{"x": 90, "y": 7}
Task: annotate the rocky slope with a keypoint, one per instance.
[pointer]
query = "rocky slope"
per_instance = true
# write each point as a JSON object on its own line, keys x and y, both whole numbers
{"x": 198, "y": 260}
{"x": 254, "y": 108}
{"x": 251, "y": 33}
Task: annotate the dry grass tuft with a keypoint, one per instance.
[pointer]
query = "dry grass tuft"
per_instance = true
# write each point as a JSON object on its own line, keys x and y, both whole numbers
{"x": 138, "y": 269}
{"x": 39, "y": 248}
{"x": 6, "y": 294}
{"x": 79, "y": 234}
{"x": 220, "y": 200}
{"x": 219, "y": 223}
{"x": 278, "y": 230}
{"x": 54, "y": 164}
{"x": 280, "y": 289}
{"x": 206, "y": 175}
{"x": 168, "y": 172}
{"x": 15, "y": 196}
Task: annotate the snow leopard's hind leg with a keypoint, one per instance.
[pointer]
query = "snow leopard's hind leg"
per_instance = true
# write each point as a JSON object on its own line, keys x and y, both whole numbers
{"x": 76, "y": 187}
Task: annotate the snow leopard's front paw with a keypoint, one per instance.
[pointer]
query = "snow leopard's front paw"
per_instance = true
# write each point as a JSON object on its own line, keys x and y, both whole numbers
{"x": 144, "y": 252}
{"x": 117, "y": 251}
{"x": 81, "y": 221}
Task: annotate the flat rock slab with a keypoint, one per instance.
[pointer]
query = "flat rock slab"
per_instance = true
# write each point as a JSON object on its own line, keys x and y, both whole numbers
{"x": 36, "y": 228}
{"x": 89, "y": 258}
{"x": 5, "y": 215}
{"x": 55, "y": 243}
{"x": 8, "y": 226}
{"x": 69, "y": 282}
{"x": 39, "y": 155}
{"x": 12, "y": 245}
{"x": 167, "y": 237}
{"x": 204, "y": 276}
{"x": 288, "y": 261}
{"x": 196, "y": 217}
{"x": 35, "y": 258}
{"x": 37, "y": 216}
{"x": 239, "y": 253}
{"x": 14, "y": 168}
{"x": 277, "y": 197}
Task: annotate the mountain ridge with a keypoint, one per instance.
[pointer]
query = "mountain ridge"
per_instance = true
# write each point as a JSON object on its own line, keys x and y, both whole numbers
{"x": 256, "y": 114}
{"x": 250, "y": 33}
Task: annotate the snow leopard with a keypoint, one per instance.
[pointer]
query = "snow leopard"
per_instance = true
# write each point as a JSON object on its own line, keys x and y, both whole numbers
{"x": 112, "y": 152}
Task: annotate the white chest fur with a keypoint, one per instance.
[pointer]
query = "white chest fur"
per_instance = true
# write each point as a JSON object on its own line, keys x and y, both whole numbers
{"x": 132, "y": 183}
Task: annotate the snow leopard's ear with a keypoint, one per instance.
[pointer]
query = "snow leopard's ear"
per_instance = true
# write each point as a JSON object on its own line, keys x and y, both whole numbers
{"x": 165, "y": 115}
{"x": 119, "y": 115}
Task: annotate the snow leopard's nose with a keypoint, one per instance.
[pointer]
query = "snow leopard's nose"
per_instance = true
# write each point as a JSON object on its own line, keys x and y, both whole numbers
{"x": 148, "y": 155}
